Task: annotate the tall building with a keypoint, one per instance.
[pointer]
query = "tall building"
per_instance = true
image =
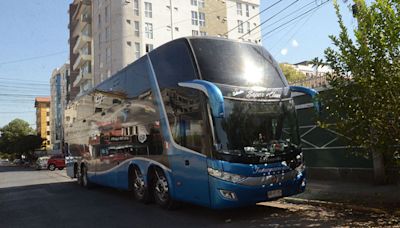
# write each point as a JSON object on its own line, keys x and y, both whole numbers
{"x": 42, "y": 105}
{"x": 124, "y": 30}
{"x": 80, "y": 43}
{"x": 58, "y": 91}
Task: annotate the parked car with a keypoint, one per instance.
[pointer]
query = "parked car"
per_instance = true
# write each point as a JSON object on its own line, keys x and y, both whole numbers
{"x": 56, "y": 161}
{"x": 41, "y": 162}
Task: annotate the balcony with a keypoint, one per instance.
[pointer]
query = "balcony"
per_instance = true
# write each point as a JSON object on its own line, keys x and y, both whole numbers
{"x": 83, "y": 39}
{"x": 82, "y": 58}
{"x": 82, "y": 77}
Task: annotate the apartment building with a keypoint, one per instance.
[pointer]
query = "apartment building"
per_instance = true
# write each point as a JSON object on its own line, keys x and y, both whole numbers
{"x": 58, "y": 92}
{"x": 80, "y": 42}
{"x": 124, "y": 30}
{"x": 42, "y": 105}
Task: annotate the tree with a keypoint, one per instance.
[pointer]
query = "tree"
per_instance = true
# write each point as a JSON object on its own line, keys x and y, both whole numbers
{"x": 316, "y": 63}
{"x": 366, "y": 81}
{"x": 291, "y": 74}
{"x": 12, "y": 133}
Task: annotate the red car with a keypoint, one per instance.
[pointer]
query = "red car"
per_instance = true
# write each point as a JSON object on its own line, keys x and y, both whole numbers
{"x": 56, "y": 161}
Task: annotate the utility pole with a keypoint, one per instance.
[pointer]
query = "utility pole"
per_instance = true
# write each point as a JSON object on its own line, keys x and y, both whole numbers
{"x": 172, "y": 28}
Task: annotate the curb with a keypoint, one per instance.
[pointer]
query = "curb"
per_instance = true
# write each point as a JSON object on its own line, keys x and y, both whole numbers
{"x": 341, "y": 205}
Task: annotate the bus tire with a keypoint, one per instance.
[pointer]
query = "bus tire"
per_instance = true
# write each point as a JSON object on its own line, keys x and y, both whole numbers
{"x": 140, "y": 191}
{"x": 162, "y": 195}
{"x": 85, "y": 180}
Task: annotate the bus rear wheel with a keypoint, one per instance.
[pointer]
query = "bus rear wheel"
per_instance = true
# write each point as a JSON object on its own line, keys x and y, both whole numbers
{"x": 161, "y": 191}
{"x": 138, "y": 186}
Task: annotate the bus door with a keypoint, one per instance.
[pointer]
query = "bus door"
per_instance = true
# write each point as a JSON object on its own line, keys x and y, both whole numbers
{"x": 190, "y": 163}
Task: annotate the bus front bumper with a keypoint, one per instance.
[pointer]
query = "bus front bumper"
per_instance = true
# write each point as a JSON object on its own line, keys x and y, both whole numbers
{"x": 226, "y": 194}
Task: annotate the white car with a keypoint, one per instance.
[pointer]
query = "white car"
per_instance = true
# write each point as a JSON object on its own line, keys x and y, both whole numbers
{"x": 41, "y": 163}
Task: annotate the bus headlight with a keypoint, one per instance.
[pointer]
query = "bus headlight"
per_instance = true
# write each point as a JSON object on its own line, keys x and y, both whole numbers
{"x": 234, "y": 178}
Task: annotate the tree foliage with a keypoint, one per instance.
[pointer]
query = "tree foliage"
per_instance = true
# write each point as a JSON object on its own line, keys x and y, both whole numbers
{"x": 366, "y": 78}
{"x": 291, "y": 74}
{"x": 17, "y": 137}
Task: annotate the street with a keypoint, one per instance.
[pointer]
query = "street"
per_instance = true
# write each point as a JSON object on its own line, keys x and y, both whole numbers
{"x": 30, "y": 198}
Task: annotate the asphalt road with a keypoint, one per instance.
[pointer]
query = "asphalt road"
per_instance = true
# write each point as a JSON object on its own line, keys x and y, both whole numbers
{"x": 30, "y": 198}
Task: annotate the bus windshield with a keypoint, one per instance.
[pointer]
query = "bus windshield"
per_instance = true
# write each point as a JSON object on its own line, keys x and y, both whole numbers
{"x": 237, "y": 64}
{"x": 256, "y": 132}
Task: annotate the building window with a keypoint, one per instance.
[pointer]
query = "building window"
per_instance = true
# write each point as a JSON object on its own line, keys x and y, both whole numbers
{"x": 107, "y": 14}
{"x": 195, "y": 33}
{"x": 240, "y": 26}
{"x": 201, "y": 3}
{"x": 239, "y": 8}
{"x": 108, "y": 55}
{"x": 136, "y": 7}
{"x": 47, "y": 113}
{"x": 149, "y": 30}
{"x": 195, "y": 20}
{"x": 149, "y": 47}
{"x": 107, "y": 34}
{"x": 48, "y": 132}
{"x": 247, "y": 10}
{"x": 193, "y": 2}
{"x": 99, "y": 40}
{"x": 48, "y": 123}
{"x": 248, "y": 28}
{"x": 137, "y": 50}
{"x": 137, "y": 31}
{"x": 202, "y": 19}
{"x": 99, "y": 20}
{"x": 203, "y": 33}
{"x": 148, "y": 10}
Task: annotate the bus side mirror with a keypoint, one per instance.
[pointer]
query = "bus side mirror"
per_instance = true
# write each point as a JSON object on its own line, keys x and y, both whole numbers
{"x": 214, "y": 94}
{"x": 311, "y": 92}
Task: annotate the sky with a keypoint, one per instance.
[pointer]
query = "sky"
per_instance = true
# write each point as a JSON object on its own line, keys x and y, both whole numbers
{"x": 34, "y": 41}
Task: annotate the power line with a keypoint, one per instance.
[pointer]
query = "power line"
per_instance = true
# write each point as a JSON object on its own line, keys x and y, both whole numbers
{"x": 301, "y": 15}
{"x": 33, "y": 58}
{"x": 298, "y": 28}
{"x": 262, "y": 11}
{"x": 270, "y": 18}
{"x": 13, "y": 80}
{"x": 291, "y": 13}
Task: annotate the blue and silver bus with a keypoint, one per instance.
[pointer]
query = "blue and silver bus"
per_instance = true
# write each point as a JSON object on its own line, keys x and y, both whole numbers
{"x": 202, "y": 120}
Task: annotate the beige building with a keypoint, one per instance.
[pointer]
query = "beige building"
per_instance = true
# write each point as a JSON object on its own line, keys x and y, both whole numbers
{"x": 123, "y": 31}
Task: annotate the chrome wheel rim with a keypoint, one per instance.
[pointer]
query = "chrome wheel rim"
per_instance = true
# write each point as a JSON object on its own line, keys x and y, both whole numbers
{"x": 161, "y": 188}
{"x": 138, "y": 184}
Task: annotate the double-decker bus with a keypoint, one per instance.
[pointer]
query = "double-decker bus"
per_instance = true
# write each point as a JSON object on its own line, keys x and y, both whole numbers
{"x": 203, "y": 120}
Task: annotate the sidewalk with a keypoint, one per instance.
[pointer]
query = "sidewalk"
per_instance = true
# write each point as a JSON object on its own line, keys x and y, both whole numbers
{"x": 386, "y": 198}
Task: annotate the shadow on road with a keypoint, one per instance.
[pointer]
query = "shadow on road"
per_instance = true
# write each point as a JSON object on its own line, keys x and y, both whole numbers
{"x": 74, "y": 206}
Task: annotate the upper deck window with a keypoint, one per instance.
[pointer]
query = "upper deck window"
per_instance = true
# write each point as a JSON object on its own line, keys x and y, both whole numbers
{"x": 235, "y": 63}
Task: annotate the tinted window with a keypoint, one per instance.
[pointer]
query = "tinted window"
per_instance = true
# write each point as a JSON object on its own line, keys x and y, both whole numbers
{"x": 188, "y": 119}
{"x": 236, "y": 63}
{"x": 173, "y": 63}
